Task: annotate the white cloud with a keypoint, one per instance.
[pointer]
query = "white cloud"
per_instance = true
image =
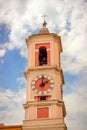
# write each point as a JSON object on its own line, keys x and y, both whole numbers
{"x": 75, "y": 102}
{"x": 2, "y": 52}
{"x": 21, "y": 80}
{"x": 76, "y": 107}
{"x": 74, "y": 57}
{"x": 11, "y": 109}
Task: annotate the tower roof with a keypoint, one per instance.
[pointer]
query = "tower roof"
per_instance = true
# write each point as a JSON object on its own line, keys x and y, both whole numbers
{"x": 43, "y": 29}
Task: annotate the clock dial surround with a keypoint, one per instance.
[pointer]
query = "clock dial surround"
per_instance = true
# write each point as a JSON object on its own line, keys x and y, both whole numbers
{"x": 42, "y": 84}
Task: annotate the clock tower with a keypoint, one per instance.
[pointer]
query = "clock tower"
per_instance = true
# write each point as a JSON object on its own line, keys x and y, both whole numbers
{"x": 44, "y": 107}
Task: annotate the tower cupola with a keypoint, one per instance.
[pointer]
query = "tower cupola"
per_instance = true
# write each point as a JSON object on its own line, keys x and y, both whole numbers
{"x": 43, "y": 29}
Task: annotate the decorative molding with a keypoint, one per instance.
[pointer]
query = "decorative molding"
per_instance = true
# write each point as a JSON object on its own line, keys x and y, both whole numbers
{"x": 43, "y": 103}
{"x": 35, "y": 38}
{"x": 53, "y": 126}
{"x": 47, "y": 67}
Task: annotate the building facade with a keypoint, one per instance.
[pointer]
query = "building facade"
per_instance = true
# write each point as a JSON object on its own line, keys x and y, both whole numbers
{"x": 44, "y": 107}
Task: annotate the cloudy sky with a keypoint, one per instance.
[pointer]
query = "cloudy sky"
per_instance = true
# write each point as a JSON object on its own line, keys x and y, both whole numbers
{"x": 21, "y": 18}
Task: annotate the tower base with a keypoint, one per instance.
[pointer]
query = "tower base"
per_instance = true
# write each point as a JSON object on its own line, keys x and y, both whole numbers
{"x": 45, "y": 127}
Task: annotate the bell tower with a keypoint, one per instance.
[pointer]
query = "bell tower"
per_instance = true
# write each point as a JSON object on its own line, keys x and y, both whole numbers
{"x": 44, "y": 107}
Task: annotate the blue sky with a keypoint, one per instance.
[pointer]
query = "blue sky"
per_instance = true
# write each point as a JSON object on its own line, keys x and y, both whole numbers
{"x": 15, "y": 67}
{"x": 22, "y": 18}
{"x": 4, "y": 33}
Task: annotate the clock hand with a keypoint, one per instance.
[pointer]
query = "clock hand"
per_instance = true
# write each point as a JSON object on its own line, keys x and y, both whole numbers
{"x": 43, "y": 83}
{"x": 46, "y": 81}
{"x": 42, "y": 78}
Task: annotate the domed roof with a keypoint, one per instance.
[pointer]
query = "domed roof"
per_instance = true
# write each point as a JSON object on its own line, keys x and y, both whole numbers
{"x": 43, "y": 29}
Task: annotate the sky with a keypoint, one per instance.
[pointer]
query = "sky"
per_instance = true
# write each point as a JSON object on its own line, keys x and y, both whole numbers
{"x": 22, "y": 18}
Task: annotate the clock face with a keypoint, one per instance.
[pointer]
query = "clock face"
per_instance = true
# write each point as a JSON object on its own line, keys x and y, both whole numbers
{"x": 42, "y": 84}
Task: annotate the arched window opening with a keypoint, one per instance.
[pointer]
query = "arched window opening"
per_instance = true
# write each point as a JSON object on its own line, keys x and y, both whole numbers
{"x": 42, "y": 56}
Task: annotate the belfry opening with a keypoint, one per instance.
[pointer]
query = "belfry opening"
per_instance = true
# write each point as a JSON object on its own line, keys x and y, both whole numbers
{"x": 42, "y": 56}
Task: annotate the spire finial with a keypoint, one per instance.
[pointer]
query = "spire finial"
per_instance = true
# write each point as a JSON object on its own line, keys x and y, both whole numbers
{"x": 43, "y": 29}
{"x": 44, "y": 16}
{"x": 44, "y": 23}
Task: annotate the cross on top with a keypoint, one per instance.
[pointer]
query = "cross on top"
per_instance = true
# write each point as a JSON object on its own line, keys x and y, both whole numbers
{"x": 44, "y": 16}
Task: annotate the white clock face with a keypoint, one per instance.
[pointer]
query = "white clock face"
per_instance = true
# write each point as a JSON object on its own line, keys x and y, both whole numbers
{"x": 42, "y": 84}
